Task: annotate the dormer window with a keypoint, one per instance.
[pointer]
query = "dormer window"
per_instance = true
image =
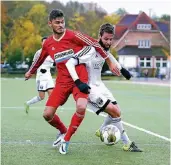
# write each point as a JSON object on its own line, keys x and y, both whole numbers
{"x": 143, "y": 26}
{"x": 144, "y": 44}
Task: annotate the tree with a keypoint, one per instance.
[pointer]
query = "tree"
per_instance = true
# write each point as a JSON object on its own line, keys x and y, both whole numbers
{"x": 54, "y": 4}
{"x": 75, "y": 7}
{"x": 5, "y": 29}
{"x": 38, "y": 15}
{"x": 121, "y": 12}
{"x": 165, "y": 17}
{"x": 91, "y": 24}
{"x": 76, "y": 21}
{"x": 17, "y": 9}
{"x": 24, "y": 36}
{"x": 14, "y": 57}
{"x": 112, "y": 18}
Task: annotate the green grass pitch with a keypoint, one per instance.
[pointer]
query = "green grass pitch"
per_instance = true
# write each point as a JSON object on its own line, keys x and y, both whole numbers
{"x": 27, "y": 139}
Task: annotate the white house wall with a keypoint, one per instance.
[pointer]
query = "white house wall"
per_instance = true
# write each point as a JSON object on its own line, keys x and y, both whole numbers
{"x": 128, "y": 61}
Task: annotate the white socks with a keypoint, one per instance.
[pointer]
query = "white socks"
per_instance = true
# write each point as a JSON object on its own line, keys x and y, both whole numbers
{"x": 118, "y": 123}
{"x": 106, "y": 122}
{"x": 34, "y": 100}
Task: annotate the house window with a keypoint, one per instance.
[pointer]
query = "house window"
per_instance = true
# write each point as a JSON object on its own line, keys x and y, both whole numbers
{"x": 157, "y": 64}
{"x": 145, "y": 62}
{"x": 142, "y": 64}
{"x": 144, "y": 44}
{"x": 164, "y": 64}
{"x": 144, "y": 26}
{"x": 160, "y": 62}
{"x": 148, "y": 64}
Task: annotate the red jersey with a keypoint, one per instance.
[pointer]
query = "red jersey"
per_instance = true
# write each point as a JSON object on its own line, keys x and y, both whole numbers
{"x": 64, "y": 48}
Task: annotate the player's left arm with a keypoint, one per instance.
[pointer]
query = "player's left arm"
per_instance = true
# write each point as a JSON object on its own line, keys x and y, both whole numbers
{"x": 72, "y": 62}
{"x": 70, "y": 65}
{"x": 80, "y": 59}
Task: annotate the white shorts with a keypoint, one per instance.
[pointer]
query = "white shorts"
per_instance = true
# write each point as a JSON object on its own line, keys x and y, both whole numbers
{"x": 44, "y": 85}
{"x": 98, "y": 97}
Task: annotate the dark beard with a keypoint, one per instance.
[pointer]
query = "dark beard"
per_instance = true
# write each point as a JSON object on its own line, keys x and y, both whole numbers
{"x": 103, "y": 46}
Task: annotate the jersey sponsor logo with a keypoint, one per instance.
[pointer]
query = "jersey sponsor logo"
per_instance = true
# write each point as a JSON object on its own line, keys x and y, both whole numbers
{"x": 62, "y": 56}
{"x": 98, "y": 65}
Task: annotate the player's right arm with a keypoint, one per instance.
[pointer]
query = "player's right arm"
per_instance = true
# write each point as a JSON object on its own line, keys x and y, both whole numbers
{"x": 37, "y": 61}
{"x": 124, "y": 71}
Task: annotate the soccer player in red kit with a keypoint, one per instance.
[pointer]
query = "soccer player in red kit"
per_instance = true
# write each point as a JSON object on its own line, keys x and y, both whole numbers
{"x": 61, "y": 46}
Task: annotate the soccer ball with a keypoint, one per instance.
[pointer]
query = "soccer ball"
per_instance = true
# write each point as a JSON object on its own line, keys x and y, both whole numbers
{"x": 110, "y": 135}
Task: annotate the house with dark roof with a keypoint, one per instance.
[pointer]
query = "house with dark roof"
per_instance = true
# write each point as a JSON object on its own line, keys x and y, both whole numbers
{"x": 142, "y": 43}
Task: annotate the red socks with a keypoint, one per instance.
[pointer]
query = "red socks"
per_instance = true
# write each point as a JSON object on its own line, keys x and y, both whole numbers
{"x": 57, "y": 123}
{"x": 76, "y": 120}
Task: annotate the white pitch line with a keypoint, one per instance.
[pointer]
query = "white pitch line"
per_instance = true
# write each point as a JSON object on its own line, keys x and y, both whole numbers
{"x": 148, "y": 132}
{"x": 21, "y": 107}
{"x": 138, "y": 128}
{"x": 167, "y": 84}
{"x": 104, "y": 115}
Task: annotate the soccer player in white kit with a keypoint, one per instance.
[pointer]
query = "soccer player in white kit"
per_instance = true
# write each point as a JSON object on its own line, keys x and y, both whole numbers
{"x": 100, "y": 98}
{"x": 44, "y": 81}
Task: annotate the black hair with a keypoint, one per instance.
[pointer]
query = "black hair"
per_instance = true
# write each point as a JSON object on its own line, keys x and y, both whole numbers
{"x": 107, "y": 27}
{"x": 44, "y": 38}
{"x": 55, "y": 13}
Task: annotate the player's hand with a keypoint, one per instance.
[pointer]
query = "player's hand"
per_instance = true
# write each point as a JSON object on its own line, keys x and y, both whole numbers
{"x": 27, "y": 75}
{"x": 83, "y": 87}
{"x": 114, "y": 69}
{"x": 126, "y": 73}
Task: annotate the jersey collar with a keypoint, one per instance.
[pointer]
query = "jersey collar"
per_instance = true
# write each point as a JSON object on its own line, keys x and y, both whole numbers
{"x": 60, "y": 37}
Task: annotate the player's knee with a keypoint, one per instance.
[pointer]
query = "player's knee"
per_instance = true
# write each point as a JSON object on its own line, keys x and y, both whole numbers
{"x": 41, "y": 97}
{"x": 47, "y": 115}
{"x": 81, "y": 108}
{"x": 113, "y": 111}
{"x": 117, "y": 113}
{"x": 114, "y": 114}
{"x": 80, "y": 114}
{"x": 81, "y": 105}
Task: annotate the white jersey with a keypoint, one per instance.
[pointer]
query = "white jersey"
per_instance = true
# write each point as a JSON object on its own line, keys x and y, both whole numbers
{"x": 94, "y": 68}
{"x": 43, "y": 72}
{"x": 94, "y": 64}
{"x": 99, "y": 94}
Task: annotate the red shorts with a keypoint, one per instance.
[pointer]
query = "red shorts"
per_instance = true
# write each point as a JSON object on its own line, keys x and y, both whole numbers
{"x": 61, "y": 93}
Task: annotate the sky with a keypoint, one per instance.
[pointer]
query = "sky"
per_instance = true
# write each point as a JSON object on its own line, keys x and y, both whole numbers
{"x": 153, "y": 7}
